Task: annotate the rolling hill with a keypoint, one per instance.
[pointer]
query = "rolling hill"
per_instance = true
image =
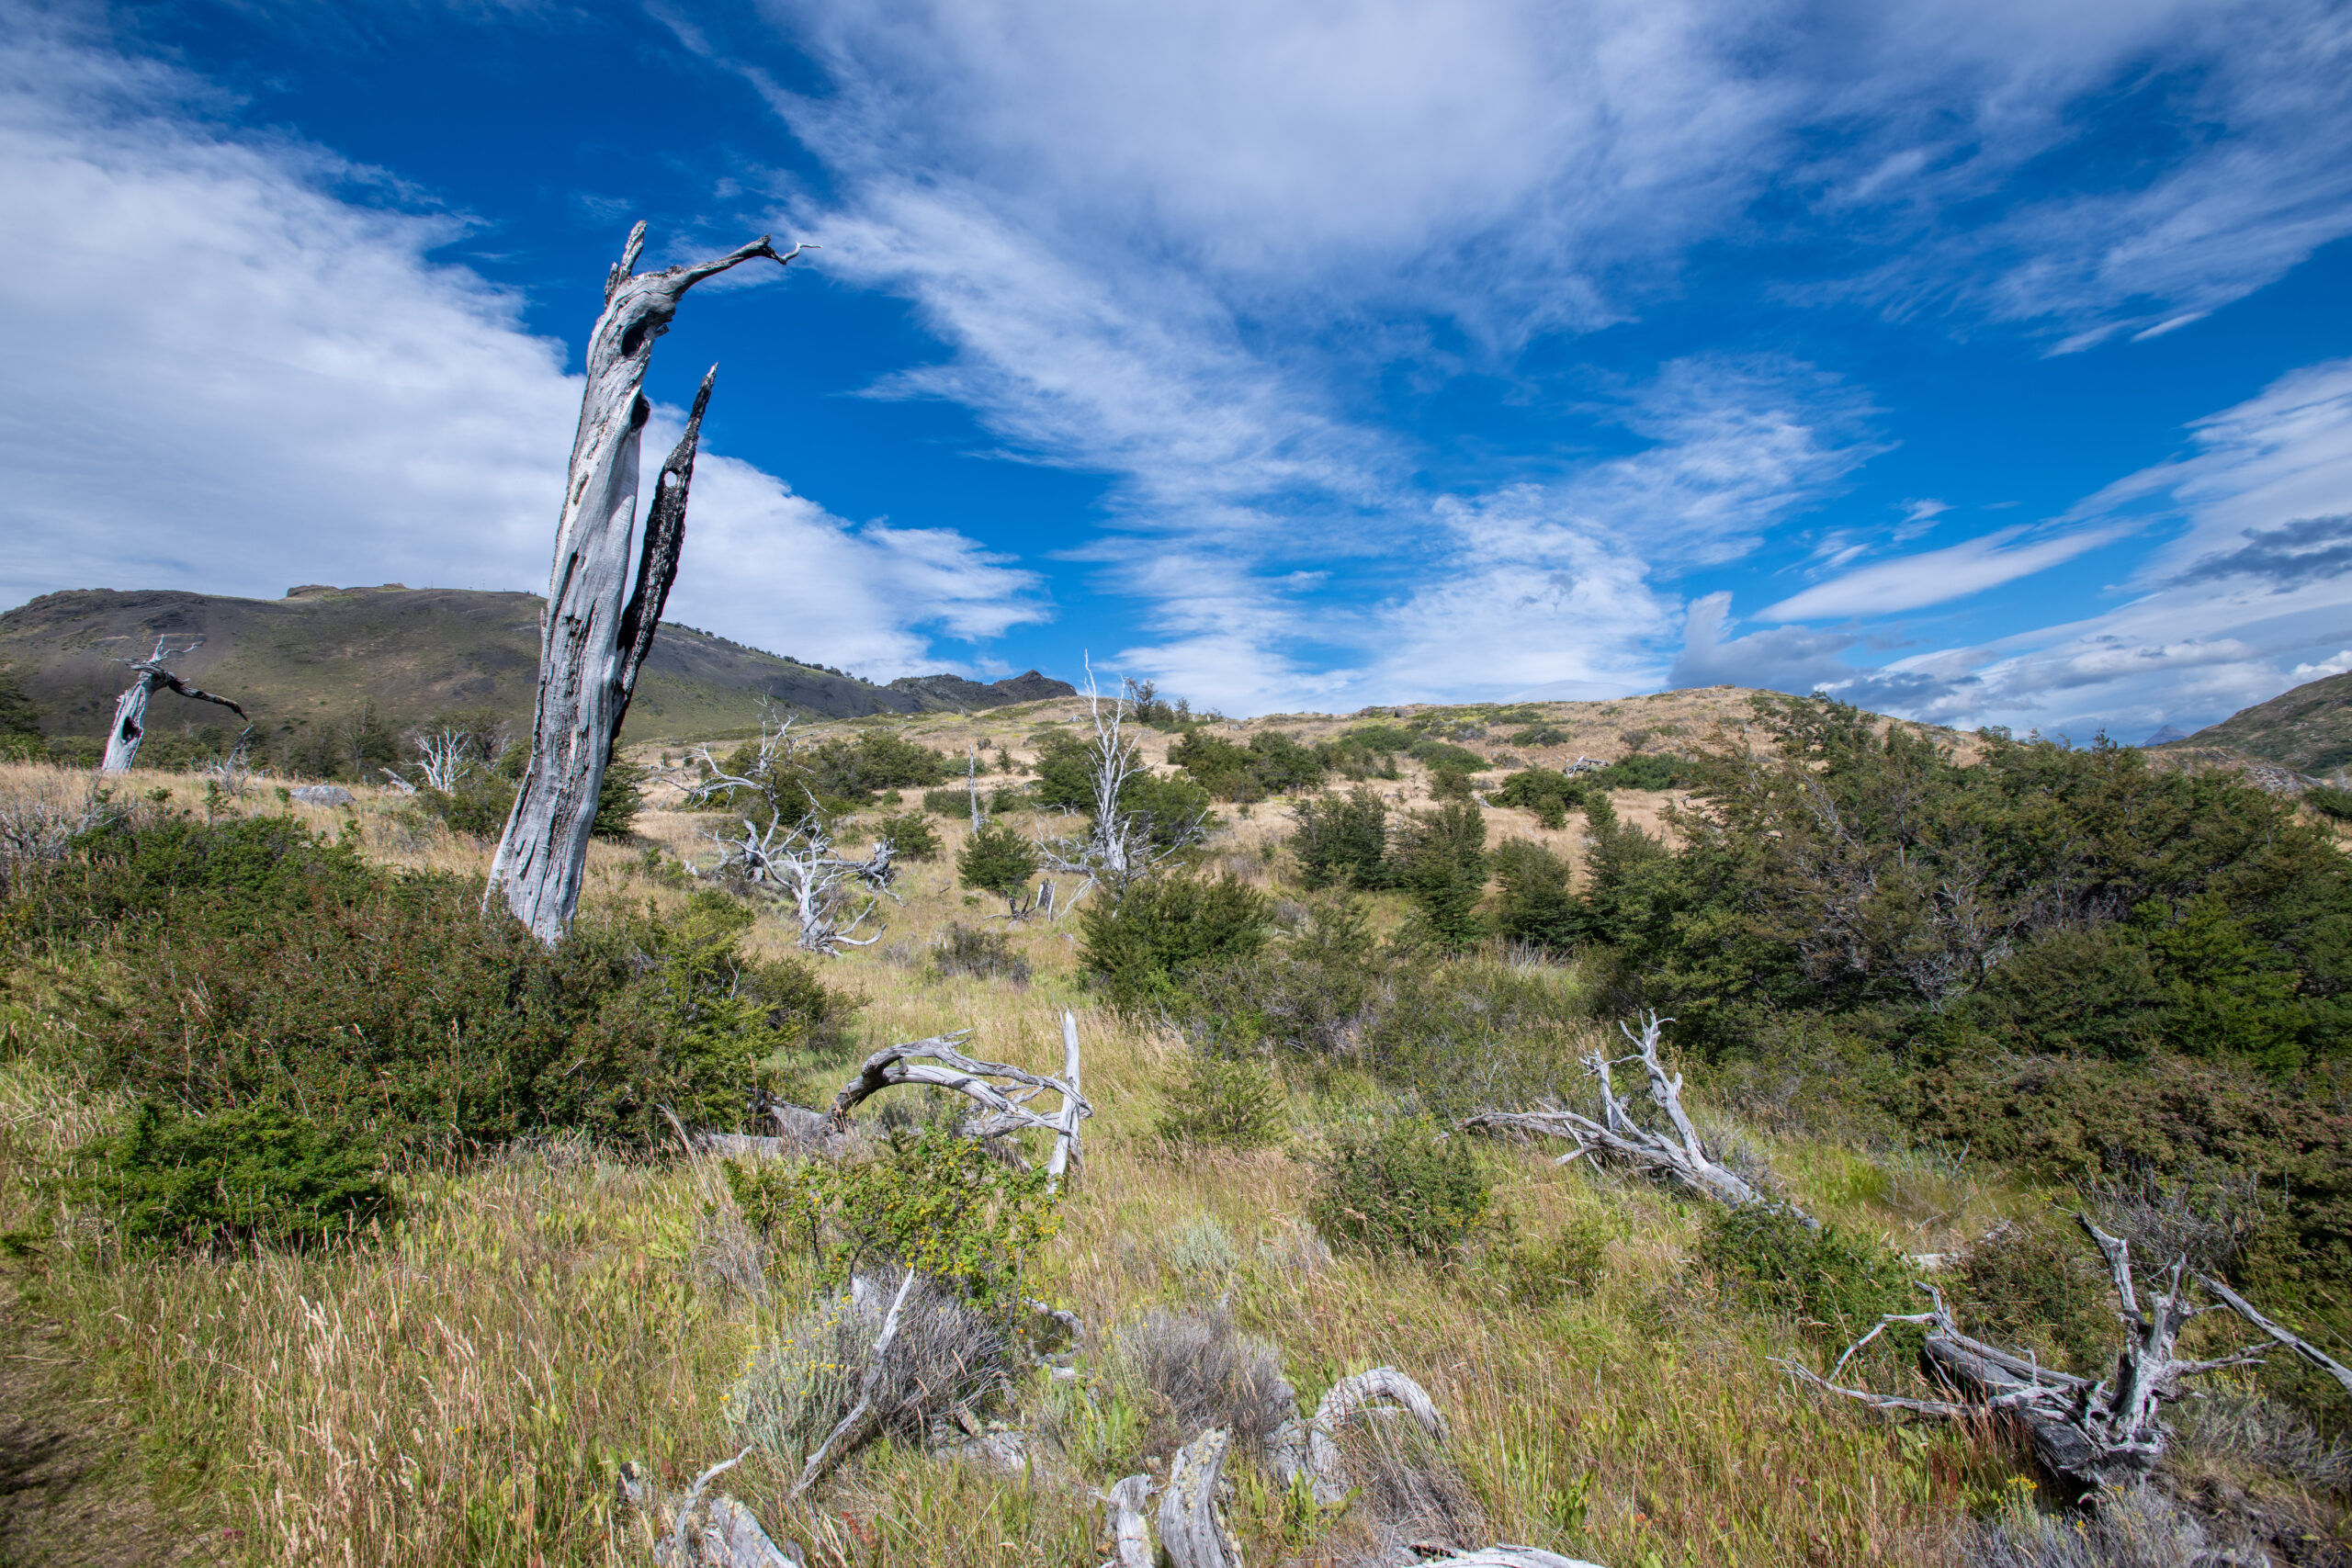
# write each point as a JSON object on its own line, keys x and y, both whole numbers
{"x": 2308, "y": 728}
{"x": 319, "y": 653}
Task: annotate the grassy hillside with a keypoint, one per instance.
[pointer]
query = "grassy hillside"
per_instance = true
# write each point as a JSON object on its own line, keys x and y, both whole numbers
{"x": 315, "y": 655}
{"x": 2308, "y": 729}
{"x": 460, "y": 1383}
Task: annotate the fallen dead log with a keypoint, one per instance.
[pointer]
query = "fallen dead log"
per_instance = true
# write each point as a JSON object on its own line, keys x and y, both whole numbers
{"x": 1679, "y": 1154}
{"x": 1130, "y": 1532}
{"x": 2097, "y": 1435}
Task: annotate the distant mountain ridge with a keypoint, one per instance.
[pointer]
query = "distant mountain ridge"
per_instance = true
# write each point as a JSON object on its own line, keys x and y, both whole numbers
{"x": 2306, "y": 729}
{"x": 319, "y": 653}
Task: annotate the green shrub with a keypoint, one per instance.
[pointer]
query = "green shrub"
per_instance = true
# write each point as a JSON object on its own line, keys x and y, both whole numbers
{"x": 954, "y": 802}
{"x": 1542, "y": 734}
{"x": 1441, "y": 755}
{"x": 258, "y": 1174}
{"x": 1835, "y": 1285}
{"x": 1547, "y": 792}
{"x": 1141, "y": 945}
{"x": 931, "y": 1202}
{"x": 911, "y": 835}
{"x": 1534, "y": 905}
{"x": 1441, "y": 862}
{"x": 997, "y": 860}
{"x": 1224, "y": 1102}
{"x": 252, "y": 965}
{"x": 2329, "y": 801}
{"x": 2031, "y": 1286}
{"x": 1449, "y": 783}
{"x": 618, "y": 800}
{"x": 1649, "y": 771}
{"x": 1341, "y": 840}
{"x": 1404, "y": 1188}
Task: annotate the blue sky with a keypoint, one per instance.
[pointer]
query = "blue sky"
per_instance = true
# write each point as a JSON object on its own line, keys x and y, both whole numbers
{"x": 1986, "y": 363}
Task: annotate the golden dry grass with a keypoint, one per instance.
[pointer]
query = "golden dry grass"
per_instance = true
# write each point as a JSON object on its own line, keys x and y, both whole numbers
{"x": 462, "y": 1391}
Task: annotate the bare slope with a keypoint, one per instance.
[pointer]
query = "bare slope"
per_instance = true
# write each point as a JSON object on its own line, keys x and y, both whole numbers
{"x": 320, "y": 652}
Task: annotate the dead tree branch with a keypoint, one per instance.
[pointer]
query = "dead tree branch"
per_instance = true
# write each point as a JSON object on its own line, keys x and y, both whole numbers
{"x": 1130, "y": 1532}
{"x": 2300, "y": 1346}
{"x": 1311, "y": 1447}
{"x": 131, "y": 709}
{"x": 859, "y": 1424}
{"x": 2096, "y": 1434}
{"x": 1120, "y": 847}
{"x": 1679, "y": 1153}
{"x": 591, "y": 645}
{"x": 936, "y": 1063}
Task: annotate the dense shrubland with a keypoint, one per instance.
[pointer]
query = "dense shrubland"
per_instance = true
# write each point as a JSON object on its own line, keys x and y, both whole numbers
{"x": 275, "y": 1102}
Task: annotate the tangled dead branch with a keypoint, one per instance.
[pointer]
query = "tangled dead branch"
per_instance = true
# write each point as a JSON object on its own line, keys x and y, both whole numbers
{"x": 1311, "y": 1447}
{"x": 2102, "y": 1435}
{"x": 1679, "y": 1154}
{"x": 1121, "y": 846}
{"x": 937, "y": 1064}
{"x": 791, "y": 856}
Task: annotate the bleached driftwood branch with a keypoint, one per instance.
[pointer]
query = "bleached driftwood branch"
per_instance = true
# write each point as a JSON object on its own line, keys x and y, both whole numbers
{"x": 1130, "y": 1534}
{"x": 855, "y": 1427}
{"x": 131, "y": 709}
{"x": 726, "y": 1534}
{"x": 2097, "y": 1435}
{"x": 1677, "y": 1152}
{"x": 936, "y": 1063}
{"x": 591, "y": 644}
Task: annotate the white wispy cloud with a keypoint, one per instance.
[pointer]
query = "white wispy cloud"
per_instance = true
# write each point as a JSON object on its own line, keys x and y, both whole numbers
{"x": 2251, "y": 597}
{"x": 1934, "y": 577}
{"x": 1179, "y": 246}
{"x": 236, "y": 365}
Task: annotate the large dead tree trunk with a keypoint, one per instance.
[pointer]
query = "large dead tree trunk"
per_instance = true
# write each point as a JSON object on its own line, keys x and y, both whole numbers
{"x": 131, "y": 709}
{"x": 591, "y": 644}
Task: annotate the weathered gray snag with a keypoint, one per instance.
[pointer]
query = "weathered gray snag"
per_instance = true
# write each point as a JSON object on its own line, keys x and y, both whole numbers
{"x": 591, "y": 644}
{"x": 1192, "y": 1531}
{"x": 131, "y": 709}
{"x": 696, "y": 1532}
{"x": 1130, "y": 1533}
{"x": 2097, "y": 1435}
{"x": 860, "y": 1424}
{"x": 1680, "y": 1154}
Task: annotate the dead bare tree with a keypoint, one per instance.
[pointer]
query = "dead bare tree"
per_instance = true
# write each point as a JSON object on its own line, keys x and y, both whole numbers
{"x": 592, "y": 643}
{"x": 1679, "y": 1154}
{"x": 791, "y": 855}
{"x": 1120, "y": 847}
{"x": 131, "y": 709}
{"x": 444, "y": 755}
{"x": 937, "y": 1064}
{"x": 232, "y": 774}
{"x": 2097, "y": 1435}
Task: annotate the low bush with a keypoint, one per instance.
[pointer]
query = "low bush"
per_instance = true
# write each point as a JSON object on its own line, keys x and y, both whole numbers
{"x": 256, "y": 1174}
{"x": 953, "y": 803}
{"x": 1140, "y": 945}
{"x": 2028, "y": 1286}
{"x": 1223, "y": 1101}
{"x": 1540, "y": 1274}
{"x": 986, "y": 954}
{"x": 1534, "y": 904}
{"x": 1440, "y": 858}
{"x": 2330, "y": 801}
{"x": 1404, "y": 1188}
{"x": 1202, "y": 1372}
{"x": 799, "y": 1385}
{"x": 997, "y": 860}
{"x": 1547, "y": 792}
{"x": 249, "y": 963}
{"x": 1341, "y": 840}
{"x": 1835, "y": 1285}
{"x": 933, "y": 1201}
{"x": 1542, "y": 735}
{"x": 909, "y": 835}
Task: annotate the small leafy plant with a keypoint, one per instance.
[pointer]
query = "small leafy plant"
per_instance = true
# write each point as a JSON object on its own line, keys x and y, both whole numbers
{"x": 258, "y": 1174}
{"x": 1401, "y": 1189}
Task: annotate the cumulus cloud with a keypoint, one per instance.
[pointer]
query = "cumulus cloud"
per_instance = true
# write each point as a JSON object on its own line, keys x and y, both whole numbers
{"x": 1786, "y": 658}
{"x": 236, "y": 365}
